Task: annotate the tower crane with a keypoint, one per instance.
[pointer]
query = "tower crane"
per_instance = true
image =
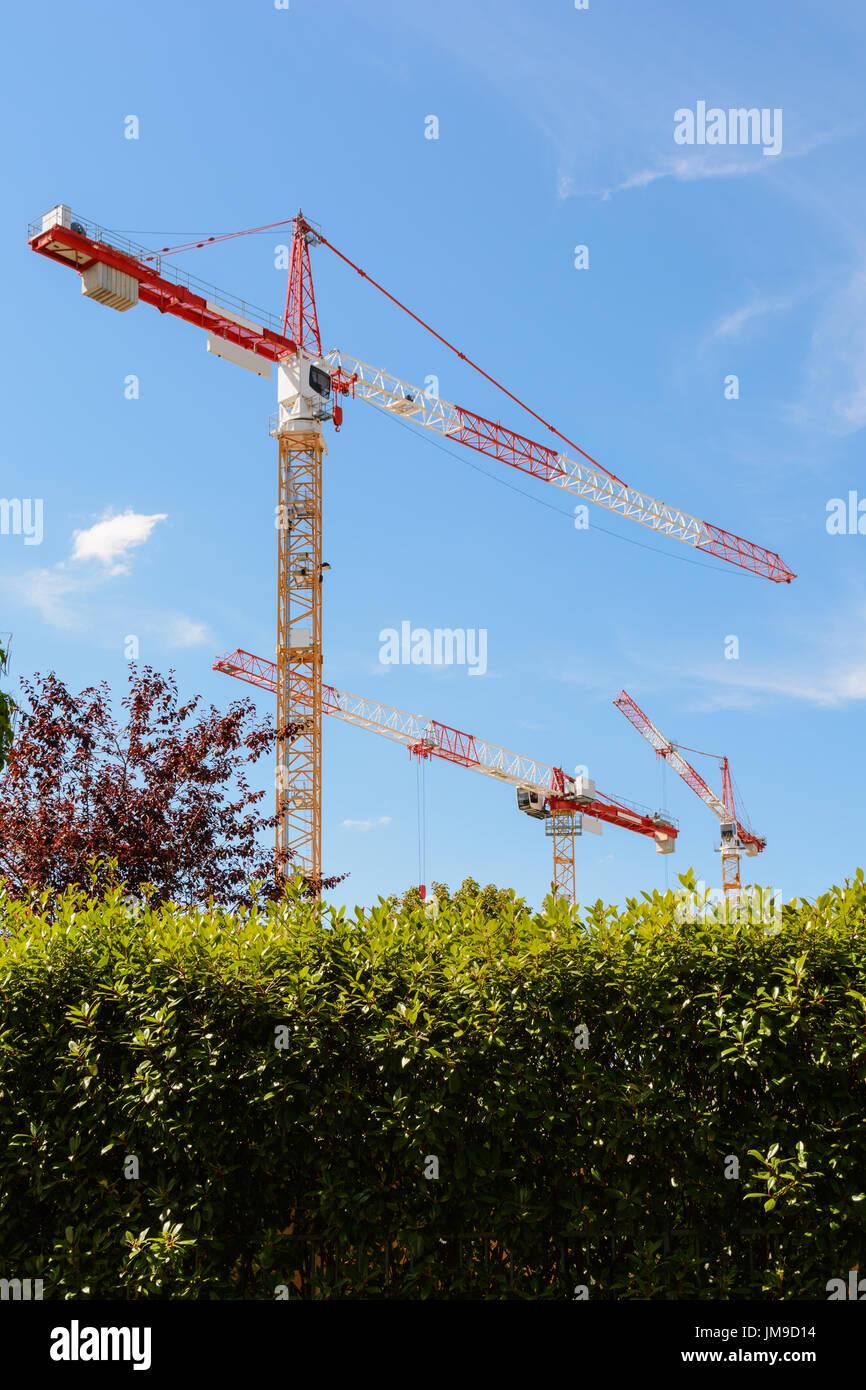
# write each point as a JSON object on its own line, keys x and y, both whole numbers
{"x": 566, "y": 804}
{"x": 736, "y": 838}
{"x": 120, "y": 274}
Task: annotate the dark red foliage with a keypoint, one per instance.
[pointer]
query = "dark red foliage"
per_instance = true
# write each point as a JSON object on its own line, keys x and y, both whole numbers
{"x": 165, "y": 794}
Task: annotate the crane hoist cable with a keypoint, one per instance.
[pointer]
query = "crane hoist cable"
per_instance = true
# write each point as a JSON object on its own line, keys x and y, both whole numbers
{"x": 551, "y": 506}
{"x": 422, "y": 827}
{"x": 468, "y": 360}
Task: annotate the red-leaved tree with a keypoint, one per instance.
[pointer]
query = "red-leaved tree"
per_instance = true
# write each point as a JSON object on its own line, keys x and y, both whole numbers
{"x": 164, "y": 793}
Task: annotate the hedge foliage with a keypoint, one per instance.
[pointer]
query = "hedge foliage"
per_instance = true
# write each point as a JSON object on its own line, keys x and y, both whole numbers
{"x": 285, "y": 1077}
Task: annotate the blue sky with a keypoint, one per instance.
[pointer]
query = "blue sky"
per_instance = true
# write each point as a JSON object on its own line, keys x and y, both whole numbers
{"x": 556, "y": 129}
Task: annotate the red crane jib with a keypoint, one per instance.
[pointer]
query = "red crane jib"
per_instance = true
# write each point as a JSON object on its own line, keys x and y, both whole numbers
{"x": 77, "y": 250}
{"x": 508, "y": 446}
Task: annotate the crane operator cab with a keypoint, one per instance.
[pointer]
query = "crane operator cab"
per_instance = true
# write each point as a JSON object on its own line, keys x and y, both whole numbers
{"x": 303, "y": 391}
{"x": 533, "y": 803}
{"x": 320, "y": 381}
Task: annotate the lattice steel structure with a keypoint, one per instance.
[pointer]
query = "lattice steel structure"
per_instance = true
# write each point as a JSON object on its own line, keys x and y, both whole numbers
{"x": 299, "y": 653}
{"x": 562, "y": 830}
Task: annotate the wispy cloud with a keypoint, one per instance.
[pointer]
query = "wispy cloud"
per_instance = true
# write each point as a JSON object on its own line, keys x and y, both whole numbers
{"x": 364, "y": 824}
{"x": 828, "y": 671}
{"x": 688, "y": 169}
{"x": 819, "y": 660}
{"x": 731, "y": 325}
{"x": 838, "y": 685}
{"x": 834, "y": 395}
{"x": 49, "y": 592}
{"x": 712, "y": 164}
{"x": 180, "y": 631}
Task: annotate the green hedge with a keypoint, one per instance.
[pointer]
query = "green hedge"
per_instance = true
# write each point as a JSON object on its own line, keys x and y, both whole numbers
{"x": 264, "y": 1169}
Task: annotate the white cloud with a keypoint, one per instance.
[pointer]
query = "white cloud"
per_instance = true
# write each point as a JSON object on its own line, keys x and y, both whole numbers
{"x": 181, "y": 631}
{"x": 834, "y": 397}
{"x": 732, "y": 325}
{"x": 690, "y": 168}
{"x": 822, "y": 663}
{"x": 828, "y": 672}
{"x": 60, "y": 594}
{"x": 838, "y": 685}
{"x": 364, "y": 824}
{"x": 60, "y": 597}
{"x": 48, "y": 591}
{"x": 110, "y": 538}
{"x": 709, "y": 164}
